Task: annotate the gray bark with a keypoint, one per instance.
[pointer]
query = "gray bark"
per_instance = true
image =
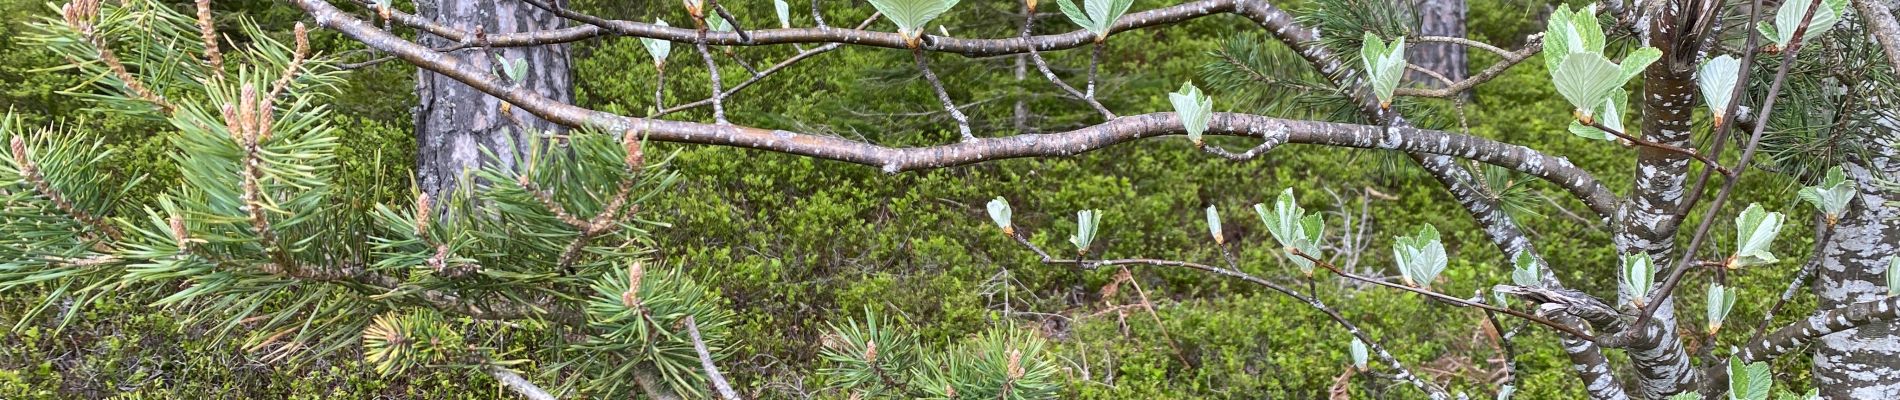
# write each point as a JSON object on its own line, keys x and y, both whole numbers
{"x": 455, "y": 123}
{"x": 1439, "y": 18}
{"x": 1862, "y": 363}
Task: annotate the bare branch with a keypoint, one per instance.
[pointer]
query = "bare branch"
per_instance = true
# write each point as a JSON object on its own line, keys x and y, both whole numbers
{"x": 518, "y": 384}
{"x": 706, "y": 361}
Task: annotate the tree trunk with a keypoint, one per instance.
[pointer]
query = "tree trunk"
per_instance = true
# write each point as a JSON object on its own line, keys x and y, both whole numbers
{"x": 1439, "y": 18}
{"x": 1862, "y": 363}
{"x": 457, "y": 126}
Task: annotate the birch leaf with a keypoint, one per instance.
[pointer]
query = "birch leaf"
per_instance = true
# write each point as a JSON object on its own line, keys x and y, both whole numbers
{"x": 1359, "y": 355}
{"x": 1570, "y": 32}
{"x": 1717, "y": 78}
{"x": 1893, "y": 276}
{"x": 999, "y": 212}
{"x": 1289, "y": 225}
{"x": 1634, "y": 62}
{"x": 1832, "y": 195}
{"x": 1194, "y": 109}
{"x": 1755, "y": 230}
{"x": 1087, "y": 222}
{"x": 1721, "y": 300}
{"x": 1421, "y": 257}
{"x": 1526, "y": 271}
{"x": 784, "y": 13}
{"x": 1095, "y": 16}
{"x": 1383, "y": 65}
{"x": 1586, "y": 79}
{"x": 658, "y": 48}
{"x": 912, "y": 15}
{"x": 1213, "y": 225}
{"x": 1748, "y": 381}
{"x": 1639, "y": 272}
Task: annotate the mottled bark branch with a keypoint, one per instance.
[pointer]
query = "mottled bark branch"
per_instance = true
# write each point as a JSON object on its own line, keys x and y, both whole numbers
{"x": 706, "y": 362}
{"x": 1880, "y": 20}
{"x": 519, "y": 385}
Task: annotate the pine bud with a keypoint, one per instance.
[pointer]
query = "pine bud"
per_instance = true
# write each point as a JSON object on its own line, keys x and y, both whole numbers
{"x": 1015, "y": 366}
{"x": 949, "y": 391}
{"x": 870, "y": 351}
{"x": 178, "y": 232}
{"x": 440, "y": 261}
{"x": 635, "y": 273}
{"x": 423, "y": 212}
{"x": 19, "y": 151}
{"x": 231, "y": 122}
{"x": 302, "y": 36}
{"x": 247, "y": 113}
{"x": 635, "y": 156}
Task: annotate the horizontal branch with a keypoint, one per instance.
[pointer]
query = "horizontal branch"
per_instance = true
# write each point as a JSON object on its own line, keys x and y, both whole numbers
{"x": 1555, "y": 169}
{"x": 598, "y": 27}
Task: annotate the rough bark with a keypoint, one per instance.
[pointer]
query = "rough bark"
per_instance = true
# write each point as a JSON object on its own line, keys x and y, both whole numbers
{"x": 1439, "y": 18}
{"x": 1649, "y": 223}
{"x": 456, "y": 124}
{"x": 1862, "y": 363}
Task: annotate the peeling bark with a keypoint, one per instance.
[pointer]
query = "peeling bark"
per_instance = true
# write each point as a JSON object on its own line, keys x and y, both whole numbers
{"x": 456, "y": 123}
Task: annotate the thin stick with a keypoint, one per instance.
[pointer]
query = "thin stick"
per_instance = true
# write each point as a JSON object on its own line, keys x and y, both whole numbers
{"x": 706, "y": 362}
{"x": 963, "y": 123}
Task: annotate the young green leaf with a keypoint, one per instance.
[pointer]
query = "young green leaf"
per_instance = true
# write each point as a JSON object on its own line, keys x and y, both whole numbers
{"x": 1087, "y": 222}
{"x": 1526, "y": 272}
{"x": 1359, "y": 354}
{"x": 912, "y": 15}
{"x": 718, "y": 23}
{"x": 1570, "y": 32}
{"x": 1289, "y": 224}
{"x": 1832, "y": 195}
{"x": 1755, "y": 230}
{"x": 1639, "y": 272}
{"x": 1788, "y": 18}
{"x": 1194, "y": 109}
{"x": 658, "y": 48}
{"x": 1721, "y": 300}
{"x": 1421, "y": 257}
{"x": 999, "y": 212}
{"x": 1213, "y": 225}
{"x": 1383, "y": 65}
{"x": 784, "y": 13}
{"x": 515, "y": 69}
{"x": 1586, "y": 79}
{"x": 1748, "y": 381}
{"x": 1096, "y": 16}
{"x": 1717, "y": 78}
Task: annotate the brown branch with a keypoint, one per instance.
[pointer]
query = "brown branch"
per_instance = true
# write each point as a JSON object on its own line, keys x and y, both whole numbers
{"x": 712, "y": 72}
{"x": 1880, "y": 20}
{"x": 1448, "y": 299}
{"x": 756, "y": 77}
{"x": 963, "y": 122}
{"x": 1558, "y": 170}
{"x": 1710, "y": 162}
{"x": 1495, "y": 70}
{"x": 1043, "y": 66}
{"x": 598, "y": 27}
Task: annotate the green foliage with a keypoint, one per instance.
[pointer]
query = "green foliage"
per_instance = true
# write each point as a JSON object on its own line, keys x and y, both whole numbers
{"x": 646, "y": 327}
{"x": 912, "y": 15}
{"x": 1296, "y": 230}
{"x": 1720, "y": 301}
{"x": 1194, "y": 109}
{"x": 869, "y": 358}
{"x": 1831, "y": 196}
{"x": 657, "y": 48}
{"x": 1420, "y": 257}
{"x": 1087, "y": 223}
{"x": 1096, "y": 16}
{"x": 1755, "y": 230}
{"x": 1788, "y": 20}
{"x": 1639, "y": 273}
{"x": 1748, "y": 381}
{"x": 1384, "y": 64}
{"x": 1717, "y": 79}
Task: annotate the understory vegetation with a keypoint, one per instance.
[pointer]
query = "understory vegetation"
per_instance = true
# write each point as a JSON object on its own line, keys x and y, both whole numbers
{"x": 797, "y": 247}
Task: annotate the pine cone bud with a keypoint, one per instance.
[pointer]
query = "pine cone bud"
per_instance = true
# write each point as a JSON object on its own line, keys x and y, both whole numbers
{"x": 635, "y": 273}
{"x": 870, "y": 351}
{"x": 178, "y": 232}
{"x": 1015, "y": 366}
{"x": 247, "y": 113}
{"x": 424, "y": 211}
{"x": 231, "y": 122}
{"x": 302, "y": 37}
{"x": 636, "y": 157}
{"x": 19, "y": 151}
